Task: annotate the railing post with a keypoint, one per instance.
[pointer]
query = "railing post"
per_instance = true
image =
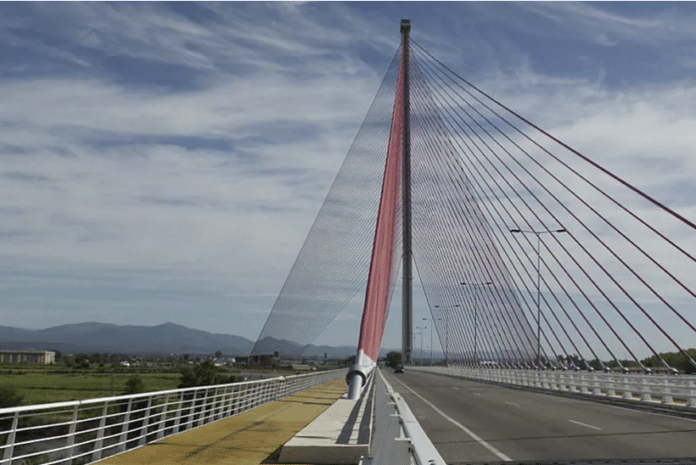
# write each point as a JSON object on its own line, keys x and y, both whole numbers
{"x": 252, "y": 390}
{"x": 246, "y": 398}
{"x": 9, "y": 443}
{"x": 691, "y": 393}
{"x": 233, "y": 400}
{"x": 229, "y": 401}
{"x": 206, "y": 408}
{"x": 204, "y": 404}
{"x": 627, "y": 391}
{"x": 71, "y": 433}
{"x": 279, "y": 388}
{"x": 266, "y": 392}
{"x": 239, "y": 400}
{"x": 192, "y": 410}
{"x": 251, "y": 396}
{"x": 97, "y": 454}
{"x": 573, "y": 384}
{"x": 585, "y": 382}
{"x": 667, "y": 398}
{"x": 596, "y": 385}
{"x": 645, "y": 395}
{"x": 611, "y": 386}
{"x": 163, "y": 421}
{"x": 146, "y": 422}
{"x": 265, "y": 388}
{"x": 123, "y": 438}
{"x": 214, "y": 411}
{"x": 217, "y": 405}
{"x": 237, "y": 396}
{"x": 276, "y": 391}
{"x": 177, "y": 415}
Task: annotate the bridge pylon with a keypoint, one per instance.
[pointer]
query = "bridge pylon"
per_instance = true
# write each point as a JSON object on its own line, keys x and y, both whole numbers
{"x": 407, "y": 294}
{"x": 397, "y": 175}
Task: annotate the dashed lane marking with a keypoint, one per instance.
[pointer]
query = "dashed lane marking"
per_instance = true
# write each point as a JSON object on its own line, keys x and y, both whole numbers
{"x": 476, "y": 438}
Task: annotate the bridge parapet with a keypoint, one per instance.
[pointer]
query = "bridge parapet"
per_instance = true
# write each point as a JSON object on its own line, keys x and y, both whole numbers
{"x": 399, "y": 438}
{"x": 88, "y": 430}
{"x": 669, "y": 390}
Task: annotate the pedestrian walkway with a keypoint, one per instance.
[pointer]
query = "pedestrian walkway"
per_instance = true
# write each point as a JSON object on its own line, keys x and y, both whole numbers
{"x": 250, "y": 438}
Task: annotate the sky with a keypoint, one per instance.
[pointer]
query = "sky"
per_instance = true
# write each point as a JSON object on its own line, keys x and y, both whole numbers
{"x": 163, "y": 162}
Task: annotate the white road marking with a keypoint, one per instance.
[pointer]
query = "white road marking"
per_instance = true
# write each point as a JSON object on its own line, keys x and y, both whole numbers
{"x": 512, "y": 403}
{"x": 649, "y": 413}
{"x": 455, "y": 387}
{"x": 477, "y": 394}
{"x": 495, "y": 451}
{"x": 585, "y": 424}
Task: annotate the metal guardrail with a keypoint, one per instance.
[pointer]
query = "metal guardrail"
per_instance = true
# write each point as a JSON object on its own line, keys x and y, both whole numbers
{"x": 398, "y": 438}
{"x": 81, "y": 432}
{"x": 670, "y": 390}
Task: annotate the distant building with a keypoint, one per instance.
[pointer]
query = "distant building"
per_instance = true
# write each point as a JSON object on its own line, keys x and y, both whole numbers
{"x": 28, "y": 357}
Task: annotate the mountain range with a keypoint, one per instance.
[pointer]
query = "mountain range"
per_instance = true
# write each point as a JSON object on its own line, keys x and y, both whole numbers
{"x": 167, "y": 338}
{"x": 103, "y": 337}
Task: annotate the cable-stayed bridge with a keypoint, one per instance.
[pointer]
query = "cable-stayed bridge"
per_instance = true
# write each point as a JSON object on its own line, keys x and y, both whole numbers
{"x": 542, "y": 269}
{"x": 530, "y": 253}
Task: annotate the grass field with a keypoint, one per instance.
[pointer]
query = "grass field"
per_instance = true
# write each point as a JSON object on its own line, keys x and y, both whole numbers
{"x": 44, "y": 386}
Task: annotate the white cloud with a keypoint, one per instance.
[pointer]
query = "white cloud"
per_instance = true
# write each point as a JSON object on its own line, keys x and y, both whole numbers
{"x": 218, "y": 181}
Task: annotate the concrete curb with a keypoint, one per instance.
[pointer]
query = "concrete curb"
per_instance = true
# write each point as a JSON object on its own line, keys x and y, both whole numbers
{"x": 340, "y": 435}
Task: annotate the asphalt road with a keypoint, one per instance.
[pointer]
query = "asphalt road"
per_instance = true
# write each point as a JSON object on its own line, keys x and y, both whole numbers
{"x": 475, "y": 422}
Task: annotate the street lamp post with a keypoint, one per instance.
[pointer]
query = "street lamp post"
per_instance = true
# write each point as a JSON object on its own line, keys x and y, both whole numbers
{"x": 421, "y": 344}
{"x": 538, "y": 252}
{"x": 476, "y": 316}
{"x": 431, "y": 336}
{"x": 447, "y": 330}
{"x": 414, "y": 349}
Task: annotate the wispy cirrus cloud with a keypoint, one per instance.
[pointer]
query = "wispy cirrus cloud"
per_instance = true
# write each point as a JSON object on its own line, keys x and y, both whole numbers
{"x": 189, "y": 146}
{"x": 110, "y": 163}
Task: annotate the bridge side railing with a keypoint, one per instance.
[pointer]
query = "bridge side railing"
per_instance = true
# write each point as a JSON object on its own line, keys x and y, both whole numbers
{"x": 679, "y": 391}
{"x": 398, "y": 437}
{"x": 81, "y": 432}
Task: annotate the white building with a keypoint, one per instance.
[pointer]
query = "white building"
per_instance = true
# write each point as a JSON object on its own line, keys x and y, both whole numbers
{"x": 28, "y": 357}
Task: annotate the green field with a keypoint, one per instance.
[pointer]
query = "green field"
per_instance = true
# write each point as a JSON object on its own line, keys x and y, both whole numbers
{"x": 56, "y": 383}
{"x": 44, "y": 386}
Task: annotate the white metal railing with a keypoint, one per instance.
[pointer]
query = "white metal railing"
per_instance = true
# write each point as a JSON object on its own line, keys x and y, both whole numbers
{"x": 678, "y": 391}
{"x": 80, "y": 432}
{"x": 398, "y": 437}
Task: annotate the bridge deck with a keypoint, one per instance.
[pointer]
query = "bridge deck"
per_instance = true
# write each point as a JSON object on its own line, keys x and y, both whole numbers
{"x": 250, "y": 438}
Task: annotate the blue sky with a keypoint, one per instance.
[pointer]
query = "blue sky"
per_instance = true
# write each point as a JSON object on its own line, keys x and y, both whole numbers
{"x": 165, "y": 161}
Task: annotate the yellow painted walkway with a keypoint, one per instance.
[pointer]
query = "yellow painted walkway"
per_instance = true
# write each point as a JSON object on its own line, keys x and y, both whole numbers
{"x": 250, "y": 438}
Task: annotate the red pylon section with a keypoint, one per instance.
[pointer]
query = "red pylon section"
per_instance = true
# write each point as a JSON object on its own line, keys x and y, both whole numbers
{"x": 382, "y": 265}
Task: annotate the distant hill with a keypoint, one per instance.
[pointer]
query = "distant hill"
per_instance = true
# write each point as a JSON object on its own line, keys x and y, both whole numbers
{"x": 102, "y": 337}
{"x": 162, "y": 339}
{"x": 287, "y": 348}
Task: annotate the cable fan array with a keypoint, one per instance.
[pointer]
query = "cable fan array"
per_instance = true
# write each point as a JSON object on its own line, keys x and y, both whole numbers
{"x": 530, "y": 253}
{"x": 334, "y": 261}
